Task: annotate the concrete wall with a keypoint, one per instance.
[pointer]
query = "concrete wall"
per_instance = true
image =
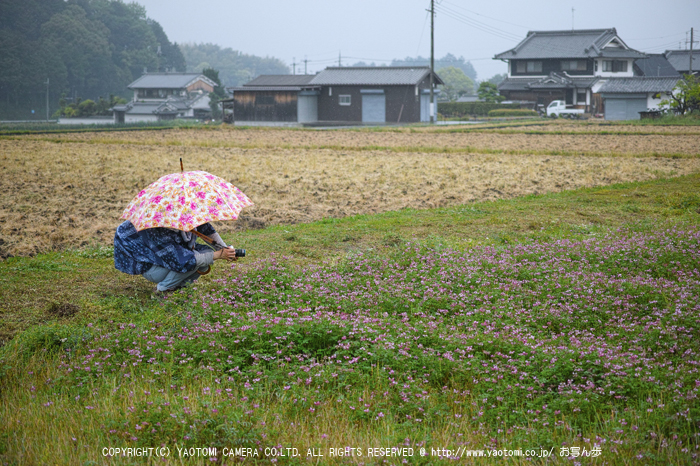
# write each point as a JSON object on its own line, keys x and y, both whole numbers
{"x": 86, "y": 121}
{"x": 139, "y": 118}
{"x": 653, "y": 102}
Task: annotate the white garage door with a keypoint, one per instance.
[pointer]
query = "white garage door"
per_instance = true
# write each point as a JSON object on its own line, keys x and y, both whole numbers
{"x": 624, "y": 109}
{"x": 425, "y": 107}
{"x": 307, "y": 108}
{"x": 373, "y": 108}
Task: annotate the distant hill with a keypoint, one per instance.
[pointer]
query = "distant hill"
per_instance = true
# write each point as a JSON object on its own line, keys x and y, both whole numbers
{"x": 440, "y": 63}
{"x": 235, "y": 68}
{"x": 444, "y": 62}
{"x": 85, "y": 48}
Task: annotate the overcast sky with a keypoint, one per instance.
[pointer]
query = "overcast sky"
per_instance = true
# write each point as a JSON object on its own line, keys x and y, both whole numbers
{"x": 380, "y": 30}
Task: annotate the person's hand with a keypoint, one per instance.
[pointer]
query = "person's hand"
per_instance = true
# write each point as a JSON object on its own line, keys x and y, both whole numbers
{"x": 228, "y": 254}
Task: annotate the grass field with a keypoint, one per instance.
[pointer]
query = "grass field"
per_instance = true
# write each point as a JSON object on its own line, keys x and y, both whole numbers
{"x": 530, "y": 303}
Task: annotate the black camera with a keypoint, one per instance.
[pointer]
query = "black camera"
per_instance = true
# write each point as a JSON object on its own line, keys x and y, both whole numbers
{"x": 240, "y": 252}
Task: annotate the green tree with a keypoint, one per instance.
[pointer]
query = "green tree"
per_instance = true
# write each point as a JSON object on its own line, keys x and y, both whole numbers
{"x": 84, "y": 47}
{"x": 444, "y": 62}
{"x": 685, "y": 97}
{"x": 456, "y": 82}
{"x": 217, "y": 95}
{"x": 488, "y": 92}
{"x": 498, "y": 78}
{"x": 235, "y": 68}
{"x": 87, "y": 107}
{"x": 170, "y": 57}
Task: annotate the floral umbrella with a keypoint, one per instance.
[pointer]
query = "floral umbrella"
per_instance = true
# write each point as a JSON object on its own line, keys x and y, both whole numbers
{"x": 184, "y": 201}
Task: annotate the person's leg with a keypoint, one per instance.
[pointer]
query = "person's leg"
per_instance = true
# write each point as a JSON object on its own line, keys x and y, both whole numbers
{"x": 169, "y": 280}
{"x": 156, "y": 274}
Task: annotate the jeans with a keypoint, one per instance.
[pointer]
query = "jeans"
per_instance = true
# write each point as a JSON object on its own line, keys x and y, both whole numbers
{"x": 169, "y": 280}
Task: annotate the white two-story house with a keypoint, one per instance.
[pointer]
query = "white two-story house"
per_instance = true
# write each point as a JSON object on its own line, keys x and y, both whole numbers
{"x": 566, "y": 65}
{"x": 166, "y": 96}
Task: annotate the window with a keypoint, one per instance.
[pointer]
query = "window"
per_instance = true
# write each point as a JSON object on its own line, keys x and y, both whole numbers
{"x": 264, "y": 100}
{"x": 534, "y": 66}
{"x": 344, "y": 99}
{"x": 581, "y": 98}
{"x": 615, "y": 66}
{"x": 573, "y": 65}
{"x": 528, "y": 67}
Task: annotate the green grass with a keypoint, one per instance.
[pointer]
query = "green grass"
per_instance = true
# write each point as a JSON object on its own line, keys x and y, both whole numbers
{"x": 53, "y": 305}
{"x": 30, "y": 286}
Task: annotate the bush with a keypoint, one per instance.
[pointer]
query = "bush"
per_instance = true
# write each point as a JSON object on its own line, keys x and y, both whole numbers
{"x": 462, "y": 109}
{"x": 512, "y": 112}
{"x": 87, "y": 108}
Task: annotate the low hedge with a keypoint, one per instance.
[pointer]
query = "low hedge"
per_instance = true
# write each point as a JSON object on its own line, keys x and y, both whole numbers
{"x": 512, "y": 112}
{"x": 462, "y": 109}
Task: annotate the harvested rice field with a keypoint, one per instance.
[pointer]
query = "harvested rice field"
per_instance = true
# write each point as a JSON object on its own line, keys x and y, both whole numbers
{"x": 595, "y": 141}
{"x": 68, "y": 190}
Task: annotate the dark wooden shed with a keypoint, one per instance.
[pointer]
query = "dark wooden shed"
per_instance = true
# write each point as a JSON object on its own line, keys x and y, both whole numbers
{"x": 273, "y": 98}
{"x": 380, "y": 94}
{"x": 338, "y": 95}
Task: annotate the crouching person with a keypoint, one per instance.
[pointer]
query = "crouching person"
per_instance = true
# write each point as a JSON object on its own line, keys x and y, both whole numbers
{"x": 167, "y": 257}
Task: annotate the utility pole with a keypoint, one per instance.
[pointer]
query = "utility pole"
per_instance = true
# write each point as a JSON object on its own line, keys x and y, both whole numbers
{"x": 690, "y": 60}
{"x": 47, "y": 99}
{"x": 305, "y": 60}
{"x": 432, "y": 60}
{"x": 572, "y": 19}
{"x": 294, "y": 65}
{"x": 340, "y": 62}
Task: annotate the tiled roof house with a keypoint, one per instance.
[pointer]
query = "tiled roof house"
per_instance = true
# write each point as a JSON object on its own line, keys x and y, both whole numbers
{"x": 166, "y": 96}
{"x": 576, "y": 66}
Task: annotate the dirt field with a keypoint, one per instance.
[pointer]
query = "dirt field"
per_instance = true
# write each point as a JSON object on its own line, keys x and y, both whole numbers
{"x": 64, "y": 191}
{"x": 671, "y": 143}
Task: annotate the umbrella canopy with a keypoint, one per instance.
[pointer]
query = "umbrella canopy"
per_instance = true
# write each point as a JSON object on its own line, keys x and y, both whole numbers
{"x": 184, "y": 201}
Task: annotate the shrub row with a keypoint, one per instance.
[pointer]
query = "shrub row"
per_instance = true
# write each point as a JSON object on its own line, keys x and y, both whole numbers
{"x": 460, "y": 109}
{"x": 512, "y": 112}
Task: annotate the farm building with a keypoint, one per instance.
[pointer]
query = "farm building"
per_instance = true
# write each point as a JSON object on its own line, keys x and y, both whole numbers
{"x": 166, "y": 96}
{"x": 625, "y": 98}
{"x": 275, "y": 99}
{"x": 338, "y": 95}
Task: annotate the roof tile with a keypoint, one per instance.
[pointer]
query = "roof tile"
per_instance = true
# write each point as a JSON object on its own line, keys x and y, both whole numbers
{"x": 583, "y": 43}
{"x": 373, "y": 76}
{"x": 638, "y": 84}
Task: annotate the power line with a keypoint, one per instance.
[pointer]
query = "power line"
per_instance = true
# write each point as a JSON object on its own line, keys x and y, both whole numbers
{"x": 422, "y": 31}
{"x": 661, "y": 46}
{"x": 477, "y": 24}
{"x": 662, "y": 37}
{"x": 489, "y": 17}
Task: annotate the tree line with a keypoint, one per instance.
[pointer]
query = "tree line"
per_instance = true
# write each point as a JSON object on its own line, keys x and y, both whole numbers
{"x": 83, "y": 49}
{"x": 235, "y": 68}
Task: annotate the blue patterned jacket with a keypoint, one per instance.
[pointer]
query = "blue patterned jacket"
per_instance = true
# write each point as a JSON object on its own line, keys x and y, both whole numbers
{"x": 136, "y": 251}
